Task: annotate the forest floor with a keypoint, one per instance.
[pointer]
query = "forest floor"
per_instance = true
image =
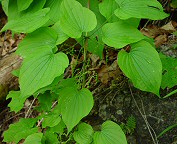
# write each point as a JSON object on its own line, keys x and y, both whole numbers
{"x": 115, "y": 97}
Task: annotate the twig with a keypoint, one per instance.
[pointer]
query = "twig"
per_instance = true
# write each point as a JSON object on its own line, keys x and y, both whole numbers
{"x": 144, "y": 117}
{"x": 27, "y": 114}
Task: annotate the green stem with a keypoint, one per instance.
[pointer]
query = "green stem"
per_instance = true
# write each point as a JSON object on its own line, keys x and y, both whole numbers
{"x": 85, "y": 53}
{"x": 85, "y": 60}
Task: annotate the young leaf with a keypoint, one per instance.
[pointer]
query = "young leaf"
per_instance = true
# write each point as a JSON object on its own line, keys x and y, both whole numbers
{"x": 120, "y": 34}
{"x": 61, "y": 35}
{"x": 29, "y": 22}
{"x": 110, "y": 133}
{"x": 22, "y": 5}
{"x": 84, "y": 134}
{"x": 17, "y": 101}
{"x": 75, "y": 19}
{"x": 148, "y": 9}
{"x": 43, "y": 39}
{"x": 20, "y": 130}
{"x": 75, "y": 104}
{"x": 107, "y": 8}
{"x": 40, "y": 71}
{"x": 34, "y": 139}
{"x": 143, "y": 66}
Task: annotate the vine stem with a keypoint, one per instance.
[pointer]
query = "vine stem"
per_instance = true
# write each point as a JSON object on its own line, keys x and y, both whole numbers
{"x": 85, "y": 59}
{"x": 85, "y": 53}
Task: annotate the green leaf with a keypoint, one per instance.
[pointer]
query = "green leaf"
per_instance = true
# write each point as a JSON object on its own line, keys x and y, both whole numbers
{"x": 17, "y": 101}
{"x": 96, "y": 46}
{"x": 23, "y": 4}
{"x": 5, "y": 4}
{"x": 41, "y": 40}
{"x": 148, "y": 9}
{"x": 54, "y": 12}
{"x": 34, "y": 138}
{"x": 110, "y": 133}
{"x": 169, "y": 68}
{"x": 59, "y": 129}
{"x": 61, "y": 35}
{"x": 75, "y": 19}
{"x": 40, "y": 71}
{"x": 51, "y": 138}
{"x": 166, "y": 130}
{"x": 29, "y": 22}
{"x": 107, "y": 8}
{"x": 20, "y": 130}
{"x": 95, "y": 43}
{"x": 84, "y": 134}
{"x": 45, "y": 102}
{"x": 120, "y": 34}
{"x": 35, "y": 6}
{"x": 75, "y": 104}
{"x": 12, "y": 10}
{"x": 143, "y": 66}
{"x": 51, "y": 119}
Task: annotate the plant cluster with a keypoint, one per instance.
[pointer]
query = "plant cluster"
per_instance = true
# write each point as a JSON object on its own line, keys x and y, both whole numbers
{"x": 63, "y": 102}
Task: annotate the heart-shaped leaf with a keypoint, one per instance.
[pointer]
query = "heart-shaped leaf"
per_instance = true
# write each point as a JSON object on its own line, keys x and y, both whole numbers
{"x": 40, "y": 71}
{"x": 75, "y": 105}
{"x": 120, "y": 34}
{"x": 149, "y": 9}
{"x": 75, "y": 19}
{"x": 84, "y": 134}
{"x": 143, "y": 66}
{"x": 43, "y": 39}
{"x": 110, "y": 133}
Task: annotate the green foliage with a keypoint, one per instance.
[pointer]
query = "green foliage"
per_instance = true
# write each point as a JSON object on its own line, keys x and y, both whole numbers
{"x": 84, "y": 134}
{"x": 75, "y": 104}
{"x": 143, "y": 66}
{"x": 79, "y": 20}
{"x": 173, "y": 3}
{"x": 150, "y": 9}
{"x": 20, "y": 130}
{"x": 107, "y": 8}
{"x": 62, "y": 102}
{"x": 17, "y": 101}
{"x": 169, "y": 77}
{"x": 25, "y": 24}
{"x": 120, "y": 34}
{"x": 34, "y": 138}
{"x": 166, "y": 130}
{"x": 22, "y": 5}
{"x": 129, "y": 126}
{"x": 110, "y": 133}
